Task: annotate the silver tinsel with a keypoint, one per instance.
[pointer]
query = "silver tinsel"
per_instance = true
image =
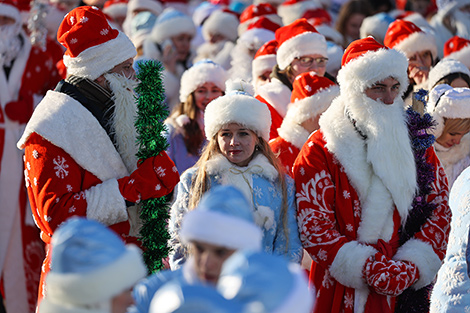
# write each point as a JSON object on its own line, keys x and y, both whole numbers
{"x": 37, "y": 23}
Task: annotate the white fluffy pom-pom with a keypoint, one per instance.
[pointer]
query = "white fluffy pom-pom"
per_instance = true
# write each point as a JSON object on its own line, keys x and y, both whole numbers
{"x": 264, "y": 217}
{"x": 182, "y": 120}
{"x": 239, "y": 85}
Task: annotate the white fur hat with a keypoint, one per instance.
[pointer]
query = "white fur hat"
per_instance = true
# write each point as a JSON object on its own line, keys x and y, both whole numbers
{"x": 292, "y": 10}
{"x": 296, "y": 40}
{"x": 265, "y": 59}
{"x": 407, "y": 37}
{"x": 447, "y": 102}
{"x": 365, "y": 62}
{"x": 223, "y": 23}
{"x": 376, "y": 26}
{"x": 204, "y": 71}
{"x": 237, "y": 107}
{"x": 443, "y": 68}
{"x": 171, "y": 23}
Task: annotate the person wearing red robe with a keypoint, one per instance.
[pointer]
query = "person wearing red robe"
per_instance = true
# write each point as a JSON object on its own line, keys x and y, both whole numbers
{"x": 374, "y": 222}
{"x": 80, "y": 143}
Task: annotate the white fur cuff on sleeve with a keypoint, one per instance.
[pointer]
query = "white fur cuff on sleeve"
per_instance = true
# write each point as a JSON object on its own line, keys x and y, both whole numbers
{"x": 423, "y": 256}
{"x": 105, "y": 203}
{"x": 349, "y": 263}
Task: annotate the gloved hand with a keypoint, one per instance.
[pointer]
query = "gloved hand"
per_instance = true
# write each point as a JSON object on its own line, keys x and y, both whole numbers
{"x": 153, "y": 178}
{"x": 20, "y": 110}
{"x": 389, "y": 277}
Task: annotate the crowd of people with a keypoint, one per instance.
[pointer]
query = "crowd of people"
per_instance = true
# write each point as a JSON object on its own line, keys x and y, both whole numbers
{"x": 312, "y": 149}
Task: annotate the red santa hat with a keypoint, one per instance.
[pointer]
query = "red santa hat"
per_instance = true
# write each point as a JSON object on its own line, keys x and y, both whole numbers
{"x": 407, "y": 37}
{"x": 254, "y": 12}
{"x": 447, "y": 102}
{"x": 115, "y": 8}
{"x": 259, "y": 32}
{"x": 458, "y": 48}
{"x": 296, "y": 40}
{"x": 92, "y": 46}
{"x": 365, "y": 62}
{"x": 9, "y": 9}
{"x": 265, "y": 59}
{"x": 223, "y": 22}
{"x": 292, "y": 10}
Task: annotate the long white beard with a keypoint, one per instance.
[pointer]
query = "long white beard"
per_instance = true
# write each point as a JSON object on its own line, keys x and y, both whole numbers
{"x": 122, "y": 121}
{"x": 389, "y": 148}
{"x": 10, "y": 43}
{"x": 241, "y": 63}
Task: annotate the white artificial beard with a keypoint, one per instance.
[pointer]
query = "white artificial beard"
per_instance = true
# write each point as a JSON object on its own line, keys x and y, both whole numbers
{"x": 209, "y": 50}
{"x": 389, "y": 148}
{"x": 241, "y": 63}
{"x": 10, "y": 43}
{"x": 462, "y": 23}
{"x": 123, "y": 119}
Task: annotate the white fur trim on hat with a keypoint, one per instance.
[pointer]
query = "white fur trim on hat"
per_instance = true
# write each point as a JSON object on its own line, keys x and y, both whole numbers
{"x": 262, "y": 64}
{"x": 116, "y": 10}
{"x": 242, "y": 27}
{"x": 371, "y": 67}
{"x": 220, "y": 229}
{"x": 240, "y": 108}
{"x": 304, "y": 44}
{"x": 99, "y": 285}
{"x": 463, "y": 55}
{"x": 291, "y": 12}
{"x": 172, "y": 27}
{"x": 198, "y": 74}
{"x": 447, "y": 102}
{"x": 151, "y": 5}
{"x": 418, "y": 41}
{"x": 10, "y": 11}
{"x": 254, "y": 38}
{"x": 223, "y": 23}
{"x": 331, "y": 33}
{"x": 445, "y": 67}
{"x": 97, "y": 60}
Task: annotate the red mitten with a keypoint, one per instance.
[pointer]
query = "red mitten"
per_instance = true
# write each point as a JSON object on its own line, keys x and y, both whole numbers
{"x": 153, "y": 178}
{"x": 389, "y": 277}
{"x": 20, "y": 110}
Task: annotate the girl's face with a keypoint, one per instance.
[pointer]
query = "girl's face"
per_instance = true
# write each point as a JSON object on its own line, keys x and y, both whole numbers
{"x": 353, "y": 25}
{"x": 237, "y": 143}
{"x": 205, "y": 94}
{"x": 209, "y": 259}
{"x": 182, "y": 44}
{"x": 448, "y": 140}
{"x": 459, "y": 83}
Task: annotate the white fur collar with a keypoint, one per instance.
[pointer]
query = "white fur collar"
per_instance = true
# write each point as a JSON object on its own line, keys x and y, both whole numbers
{"x": 293, "y": 133}
{"x": 276, "y": 94}
{"x": 219, "y": 165}
{"x": 450, "y": 156}
{"x": 67, "y": 124}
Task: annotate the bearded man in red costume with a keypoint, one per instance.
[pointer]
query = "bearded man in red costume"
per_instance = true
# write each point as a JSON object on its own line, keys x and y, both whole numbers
{"x": 372, "y": 203}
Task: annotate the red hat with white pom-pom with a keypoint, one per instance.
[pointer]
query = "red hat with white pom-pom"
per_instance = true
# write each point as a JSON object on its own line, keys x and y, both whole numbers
{"x": 265, "y": 59}
{"x": 253, "y": 12}
{"x": 9, "y": 9}
{"x": 458, "y": 48}
{"x": 92, "y": 46}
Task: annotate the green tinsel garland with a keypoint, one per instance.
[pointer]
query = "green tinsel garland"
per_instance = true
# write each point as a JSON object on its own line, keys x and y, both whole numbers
{"x": 151, "y": 112}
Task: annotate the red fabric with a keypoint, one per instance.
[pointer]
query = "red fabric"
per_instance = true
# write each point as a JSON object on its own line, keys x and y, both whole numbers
{"x": 20, "y": 110}
{"x": 154, "y": 178}
{"x": 318, "y": 16}
{"x": 257, "y": 10}
{"x": 269, "y": 48}
{"x": 329, "y": 215}
{"x": 264, "y": 23}
{"x": 285, "y": 151}
{"x": 358, "y": 47}
{"x": 308, "y": 84}
{"x": 276, "y": 119}
{"x": 296, "y": 28}
{"x": 398, "y": 31}
{"x": 455, "y": 44}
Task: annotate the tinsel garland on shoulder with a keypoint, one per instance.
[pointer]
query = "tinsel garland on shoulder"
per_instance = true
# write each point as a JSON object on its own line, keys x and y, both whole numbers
{"x": 418, "y": 125}
{"x": 151, "y": 112}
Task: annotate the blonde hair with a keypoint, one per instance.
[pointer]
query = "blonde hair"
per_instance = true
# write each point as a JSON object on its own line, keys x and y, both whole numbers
{"x": 200, "y": 181}
{"x": 452, "y": 125}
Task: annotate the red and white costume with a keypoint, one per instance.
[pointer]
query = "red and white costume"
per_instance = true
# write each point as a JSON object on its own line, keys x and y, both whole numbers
{"x": 352, "y": 204}
{"x": 21, "y": 250}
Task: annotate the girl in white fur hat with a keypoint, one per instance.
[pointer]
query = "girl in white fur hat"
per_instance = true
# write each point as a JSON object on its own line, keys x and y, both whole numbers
{"x": 237, "y": 128}
{"x": 450, "y": 108}
{"x": 200, "y": 84}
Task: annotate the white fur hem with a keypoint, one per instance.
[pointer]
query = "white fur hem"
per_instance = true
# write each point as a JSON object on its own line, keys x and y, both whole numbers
{"x": 105, "y": 203}
{"x": 424, "y": 257}
{"x": 293, "y": 133}
{"x": 99, "y": 285}
{"x": 463, "y": 55}
{"x": 304, "y": 44}
{"x": 349, "y": 263}
{"x": 418, "y": 41}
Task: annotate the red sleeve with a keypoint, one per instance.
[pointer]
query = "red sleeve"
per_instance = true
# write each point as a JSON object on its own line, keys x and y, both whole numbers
{"x": 276, "y": 118}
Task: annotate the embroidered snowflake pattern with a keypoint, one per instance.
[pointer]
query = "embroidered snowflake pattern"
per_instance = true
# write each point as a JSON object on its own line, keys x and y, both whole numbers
{"x": 308, "y": 88}
{"x": 28, "y": 166}
{"x": 60, "y": 167}
{"x": 174, "y": 169}
{"x": 104, "y": 31}
{"x": 35, "y": 181}
{"x": 37, "y": 69}
{"x": 346, "y": 194}
{"x": 47, "y": 218}
{"x": 72, "y": 20}
{"x": 310, "y": 144}
{"x": 290, "y": 150}
{"x": 69, "y": 188}
{"x": 327, "y": 281}
{"x": 57, "y": 200}
{"x": 348, "y": 301}
{"x": 26, "y": 178}
{"x": 131, "y": 181}
{"x": 72, "y": 209}
{"x": 160, "y": 171}
{"x": 357, "y": 209}
{"x": 158, "y": 187}
{"x": 302, "y": 171}
{"x": 80, "y": 195}
{"x": 349, "y": 227}
{"x": 73, "y": 41}
{"x": 322, "y": 255}
{"x": 258, "y": 192}
{"x": 28, "y": 74}
{"x": 83, "y": 20}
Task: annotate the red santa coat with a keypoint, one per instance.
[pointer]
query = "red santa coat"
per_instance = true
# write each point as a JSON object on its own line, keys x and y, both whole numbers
{"x": 276, "y": 95}
{"x": 72, "y": 168}
{"x": 21, "y": 250}
{"x": 340, "y": 232}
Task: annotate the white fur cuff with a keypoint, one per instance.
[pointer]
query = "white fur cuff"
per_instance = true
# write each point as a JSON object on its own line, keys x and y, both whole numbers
{"x": 105, "y": 203}
{"x": 349, "y": 263}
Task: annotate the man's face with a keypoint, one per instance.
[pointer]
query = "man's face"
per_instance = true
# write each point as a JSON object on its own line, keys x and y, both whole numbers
{"x": 125, "y": 69}
{"x": 386, "y": 90}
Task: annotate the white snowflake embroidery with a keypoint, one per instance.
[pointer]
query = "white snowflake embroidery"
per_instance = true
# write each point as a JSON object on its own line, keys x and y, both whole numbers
{"x": 60, "y": 167}
{"x": 327, "y": 280}
{"x": 290, "y": 150}
{"x": 35, "y": 154}
{"x": 72, "y": 209}
{"x": 26, "y": 178}
{"x": 258, "y": 192}
{"x": 69, "y": 188}
{"x": 47, "y": 218}
{"x": 104, "y": 31}
{"x": 308, "y": 88}
{"x": 346, "y": 194}
{"x": 72, "y": 20}
{"x": 349, "y": 227}
{"x": 310, "y": 144}
{"x": 302, "y": 171}
{"x": 73, "y": 41}
{"x": 37, "y": 69}
{"x": 80, "y": 195}
{"x": 158, "y": 187}
{"x": 160, "y": 171}
{"x": 83, "y": 20}
{"x": 131, "y": 181}
{"x": 175, "y": 170}
{"x": 322, "y": 255}
{"x": 57, "y": 200}
{"x": 35, "y": 181}
{"x": 28, "y": 166}
{"x": 348, "y": 301}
